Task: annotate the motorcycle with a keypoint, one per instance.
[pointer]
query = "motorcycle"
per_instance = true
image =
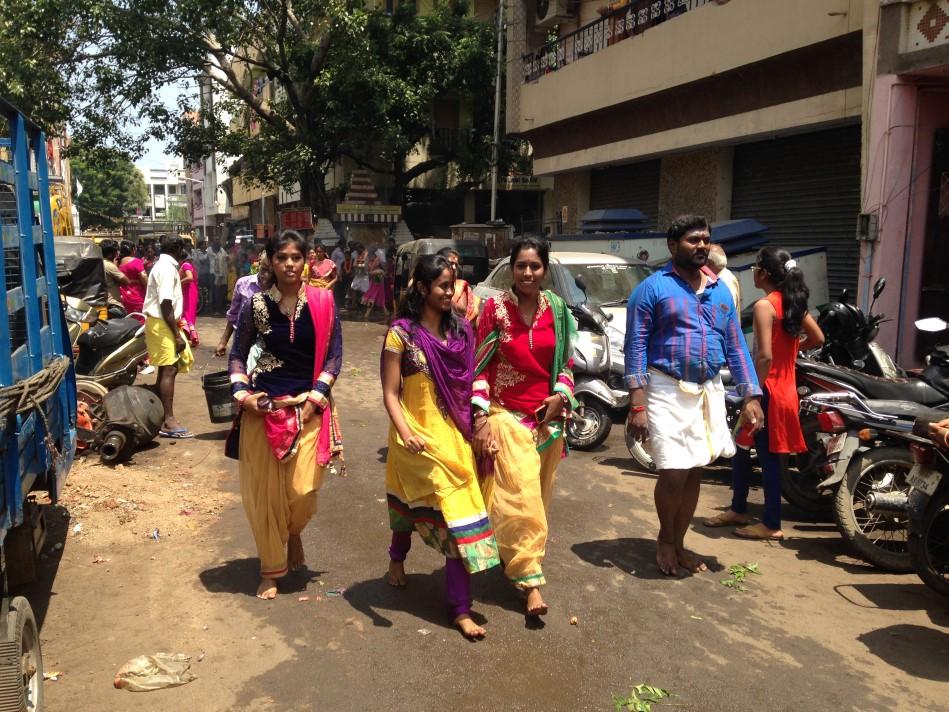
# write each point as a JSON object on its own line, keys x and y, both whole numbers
{"x": 866, "y": 453}
{"x": 107, "y": 353}
{"x": 598, "y": 386}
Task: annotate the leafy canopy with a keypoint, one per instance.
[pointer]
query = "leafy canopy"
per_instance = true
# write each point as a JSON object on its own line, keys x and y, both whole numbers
{"x": 112, "y": 189}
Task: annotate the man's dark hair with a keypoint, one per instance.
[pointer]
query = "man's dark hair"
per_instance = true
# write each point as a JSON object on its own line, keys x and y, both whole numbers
{"x": 171, "y": 244}
{"x": 448, "y": 252}
{"x": 109, "y": 248}
{"x": 684, "y": 224}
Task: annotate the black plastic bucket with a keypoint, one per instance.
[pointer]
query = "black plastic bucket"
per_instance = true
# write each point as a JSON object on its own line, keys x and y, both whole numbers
{"x": 217, "y": 392}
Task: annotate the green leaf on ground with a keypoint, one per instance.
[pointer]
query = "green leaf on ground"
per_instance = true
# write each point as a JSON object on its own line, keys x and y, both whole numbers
{"x": 739, "y": 572}
{"x": 641, "y": 699}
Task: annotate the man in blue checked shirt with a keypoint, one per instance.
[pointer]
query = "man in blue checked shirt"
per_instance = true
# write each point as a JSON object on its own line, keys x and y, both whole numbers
{"x": 681, "y": 329}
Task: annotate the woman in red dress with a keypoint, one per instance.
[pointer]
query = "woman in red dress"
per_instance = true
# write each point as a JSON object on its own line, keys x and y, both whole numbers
{"x": 782, "y": 328}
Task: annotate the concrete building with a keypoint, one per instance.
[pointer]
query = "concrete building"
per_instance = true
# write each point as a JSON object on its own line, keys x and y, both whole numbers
{"x": 741, "y": 108}
{"x": 167, "y": 194}
{"x": 906, "y": 190}
{"x": 210, "y": 205}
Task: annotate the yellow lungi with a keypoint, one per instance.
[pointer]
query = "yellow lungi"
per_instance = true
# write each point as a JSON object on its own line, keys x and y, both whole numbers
{"x": 279, "y": 497}
{"x": 517, "y": 497}
{"x": 160, "y": 343}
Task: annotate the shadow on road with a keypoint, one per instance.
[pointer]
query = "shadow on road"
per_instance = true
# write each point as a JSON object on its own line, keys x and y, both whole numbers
{"x": 40, "y": 592}
{"x": 906, "y": 593}
{"x": 422, "y": 598}
{"x": 241, "y": 576}
{"x": 914, "y": 649}
{"x": 830, "y": 550}
{"x": 635, "y": 556}
{"x": 214, "y": 435}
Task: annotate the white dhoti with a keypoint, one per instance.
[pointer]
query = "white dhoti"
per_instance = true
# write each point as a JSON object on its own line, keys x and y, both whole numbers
{"x": 687, "y": 423}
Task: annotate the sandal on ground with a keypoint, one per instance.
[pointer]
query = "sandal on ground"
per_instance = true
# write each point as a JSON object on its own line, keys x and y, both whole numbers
{"x": 758, "y": 531}
{"x": 724, "y": 519}
{"x": 176, "y": 434}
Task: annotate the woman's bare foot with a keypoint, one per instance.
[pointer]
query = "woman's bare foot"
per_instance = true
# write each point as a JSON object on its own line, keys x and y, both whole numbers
{"x": 468, "y": 628}
{"x": 536, "y": 606}
{"x": 691, "y": 561}
{"x": 666, "y": 558}
{"x": 295, "y": 556}
{"x": 396, "y": 575}
{"x": 267, "y": 590}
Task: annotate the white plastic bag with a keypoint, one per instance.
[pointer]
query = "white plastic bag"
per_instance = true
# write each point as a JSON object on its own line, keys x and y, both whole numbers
{"x": 154, "y": 672}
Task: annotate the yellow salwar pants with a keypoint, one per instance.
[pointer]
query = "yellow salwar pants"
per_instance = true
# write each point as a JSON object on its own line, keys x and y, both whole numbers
{"x": 517, "y": 496}
{"x": 279, "y": 497}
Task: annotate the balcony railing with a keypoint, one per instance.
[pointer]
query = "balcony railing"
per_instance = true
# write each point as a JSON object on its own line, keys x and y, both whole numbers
{"x": 629, "y": 21}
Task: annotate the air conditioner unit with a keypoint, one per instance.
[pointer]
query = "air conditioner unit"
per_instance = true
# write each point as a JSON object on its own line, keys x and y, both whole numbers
{"x": 553, "y": 12}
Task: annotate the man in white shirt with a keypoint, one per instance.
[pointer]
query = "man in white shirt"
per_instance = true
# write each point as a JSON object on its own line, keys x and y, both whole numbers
{"x": 167, "y": 349}
{"x": 718, "y": 263}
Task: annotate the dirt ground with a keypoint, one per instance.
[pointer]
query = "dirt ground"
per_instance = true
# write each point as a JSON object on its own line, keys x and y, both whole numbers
{"x": 816, "y": 630}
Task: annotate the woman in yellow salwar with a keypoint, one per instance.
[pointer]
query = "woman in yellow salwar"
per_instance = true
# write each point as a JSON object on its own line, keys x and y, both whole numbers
{"x": 522, "y": 394}
{"x": 286, "y": 431}
{"x": 431, "y": 484}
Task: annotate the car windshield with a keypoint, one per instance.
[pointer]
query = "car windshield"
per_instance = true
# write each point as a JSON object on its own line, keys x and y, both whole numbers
{"x": 605, "y": 283}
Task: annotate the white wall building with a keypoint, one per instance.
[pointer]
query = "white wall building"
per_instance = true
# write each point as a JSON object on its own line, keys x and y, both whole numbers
{"x": 210, "y": 207}
{"x": 167, "y": 190}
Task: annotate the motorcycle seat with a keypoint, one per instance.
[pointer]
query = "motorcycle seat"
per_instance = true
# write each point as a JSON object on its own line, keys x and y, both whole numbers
{"x": 906, "y": 410}
{"x": 108, "y": 335}
{"x": 915, "y": 390}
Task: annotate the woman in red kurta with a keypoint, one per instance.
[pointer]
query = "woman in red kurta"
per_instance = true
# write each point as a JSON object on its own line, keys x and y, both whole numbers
{"x": 782, "y": 328}
{"x": 522, "y": 393}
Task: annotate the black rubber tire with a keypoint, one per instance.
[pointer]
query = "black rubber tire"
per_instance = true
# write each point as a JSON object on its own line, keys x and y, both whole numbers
{"x": 799, "y": 480}
{"x": 933, "y": 534}
{"x": 22, "y": 674}
{"x": 599, "y": 416}
{"x": 890, "y": 554}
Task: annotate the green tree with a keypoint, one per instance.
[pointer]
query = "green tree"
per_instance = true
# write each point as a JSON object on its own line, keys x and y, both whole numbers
{"x": 112, "y": 189}
{"x": 342, "y": 80}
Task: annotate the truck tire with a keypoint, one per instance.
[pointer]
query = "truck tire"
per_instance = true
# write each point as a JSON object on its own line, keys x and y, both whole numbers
{"x": 929, "y": 546}
{"x": 878, "y": 539}
{"x": 21, "y": 661}
{"x": 592, "y": 426}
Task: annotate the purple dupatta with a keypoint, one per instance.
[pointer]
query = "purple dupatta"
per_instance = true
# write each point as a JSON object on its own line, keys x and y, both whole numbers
{"x": 451, "y": 366}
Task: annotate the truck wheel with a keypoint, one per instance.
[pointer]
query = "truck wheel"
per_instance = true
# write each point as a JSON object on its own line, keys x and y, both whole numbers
{"x": 879, "y": 539}
{"x": 589, "y": 426}
{"x": 640, "y": 453}
{"x": 21, "y": 661}
{"x": 929, "y": 547}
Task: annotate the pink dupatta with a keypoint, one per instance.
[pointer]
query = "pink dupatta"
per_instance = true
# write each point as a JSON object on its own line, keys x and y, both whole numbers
{"x": 323, "y": 311}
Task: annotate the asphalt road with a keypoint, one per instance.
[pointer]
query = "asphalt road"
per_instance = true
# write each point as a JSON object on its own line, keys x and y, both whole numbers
{"x": 818, "y": 630}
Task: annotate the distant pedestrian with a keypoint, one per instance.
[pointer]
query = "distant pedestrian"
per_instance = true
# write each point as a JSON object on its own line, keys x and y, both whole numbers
{"x": 465, "y": 302}
{"x": 375, "y": 295}
{"x": 431, "y": 482}
{"x": 245, "y": 288}
{"x": 320, "y": 271}
{"x": 167, "y": 350}
{"x": 133, "y": 292}
{"x": 202, "y": 266}
{"x": 219, "y": 268}
{"x": 681, "y": 329}
{"x": 287, "y": 430}
{"x": 189, "y": 293}
{"x": 718, "y": 263}
{"x": 114, "y": 279}
{"x": 360, "y": 281}
{"x": 782, "y": 328}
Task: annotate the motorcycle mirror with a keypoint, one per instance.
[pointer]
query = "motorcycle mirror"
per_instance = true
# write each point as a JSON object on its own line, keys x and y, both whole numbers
{"x": 879, "y": 287}
{"x": 932, "y": 324}
{"x": 844, "y": 295}
{"x": 581, "y": 283}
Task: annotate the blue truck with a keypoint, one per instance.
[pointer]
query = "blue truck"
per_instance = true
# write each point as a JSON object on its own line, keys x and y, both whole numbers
{"x": 37, "y": 395}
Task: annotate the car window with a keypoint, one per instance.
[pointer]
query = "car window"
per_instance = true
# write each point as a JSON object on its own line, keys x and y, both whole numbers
{"x": 502, "y": 279}
{"x": 605, "y": 283}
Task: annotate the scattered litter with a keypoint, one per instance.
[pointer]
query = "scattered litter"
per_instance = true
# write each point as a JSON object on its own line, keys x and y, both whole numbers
{"x": 303, "y": 598}
{"x": 204, "y": 627}
{"x": 641, "y": 699}
{"x": 99, "y": 560}
{"x": 156, "y": 535}
{"x": 201, "y": 656}
{"x": 739, "y": 573}
{"x": 57, "y": 546}
{"x": 424, "y": 631}
{"x": 77, "y": 529}
{"x": 185, "y": 512}
{"x": 355, "y": 623}
{"x": 379, "y": 499}
{"x": 52, "y": 676}
{"x": 154, "y": 672}
{"x": 697, "y": 618}
{"x": 574, "y": 620}
{"x": 253, "y": 637}
{"x": 338, "y": 591}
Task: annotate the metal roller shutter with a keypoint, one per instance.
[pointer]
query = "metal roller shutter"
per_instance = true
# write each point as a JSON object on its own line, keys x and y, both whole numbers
{"x": 806, "y": 189}
{"x": 635, "y": 185}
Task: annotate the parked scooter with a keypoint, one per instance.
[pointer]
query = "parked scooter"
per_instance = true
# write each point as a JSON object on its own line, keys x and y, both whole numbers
{"x": 868, "y": 453}
{"x": 107, "y": 353}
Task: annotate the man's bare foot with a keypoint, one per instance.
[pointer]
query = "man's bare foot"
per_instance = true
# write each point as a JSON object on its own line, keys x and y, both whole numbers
{"x": 691, "y": 561}
{"x": 468, "y": 628}
{"x": 396, "y": 575}
{"x": 726, "y": 518}
{"x": 666, "y": 558}
{"x": 267, "y": 590}
{"x": 536, "y": 606}
{"x": 295, "y": 556}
